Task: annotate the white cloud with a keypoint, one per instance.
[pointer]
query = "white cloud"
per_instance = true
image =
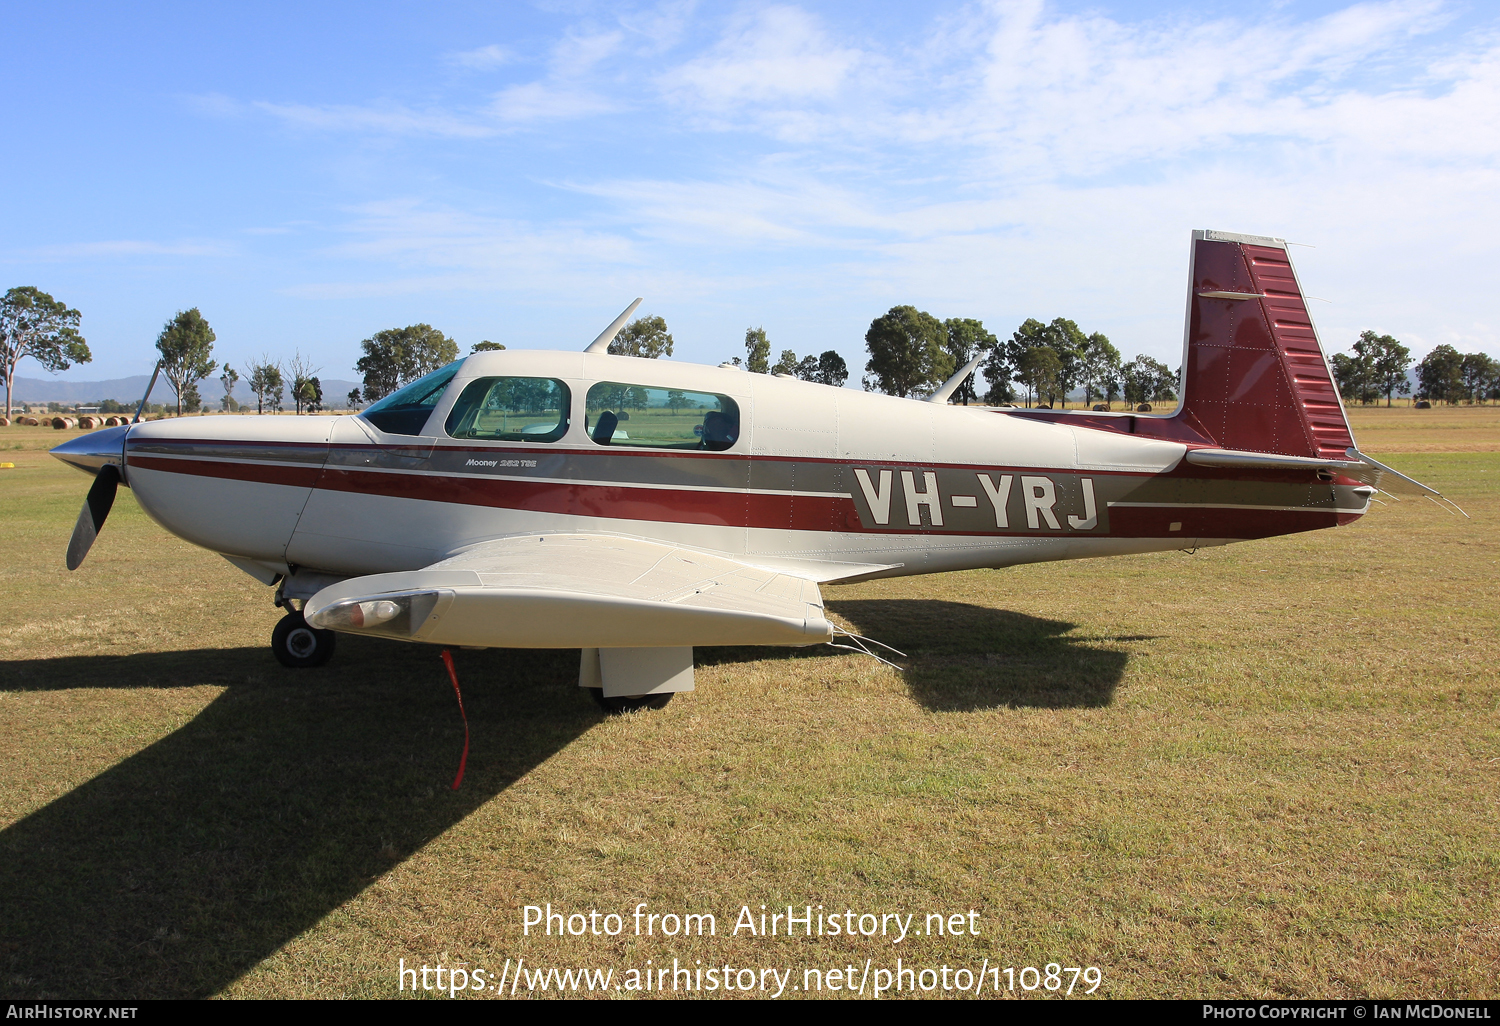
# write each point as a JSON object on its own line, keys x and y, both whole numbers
{"x": 1091, "y": 93}
{"x": 460, "y": 250}
{"x": 560, "y": 95}
{"x": 483, "y": 58}
{"x": 1065, "y": 158}
{"x": 771, "y": 55}
{"x": 394, "y": 120}
{"x": 1008, "y": 161}
{"x": 577, "y": 54}
{"x": 660, "y": 27}
{"x": 128, "y": 248}
{"x": 540, "y": 101}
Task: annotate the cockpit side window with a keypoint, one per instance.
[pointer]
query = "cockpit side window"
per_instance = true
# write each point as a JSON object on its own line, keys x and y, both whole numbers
{"x": 405, "y": 411}
{"x": 645, "y": 416}
{"x": 511, "y": 410}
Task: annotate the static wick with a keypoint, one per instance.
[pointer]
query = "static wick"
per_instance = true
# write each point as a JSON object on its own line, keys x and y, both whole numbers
{"x": 861, "y": 645}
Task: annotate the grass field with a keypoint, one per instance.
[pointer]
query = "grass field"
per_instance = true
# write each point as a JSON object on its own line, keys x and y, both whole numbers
{"x": 1271, "y": 769}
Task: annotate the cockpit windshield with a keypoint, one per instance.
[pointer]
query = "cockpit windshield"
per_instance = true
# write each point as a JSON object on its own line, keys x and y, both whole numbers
{"x": 405, "y": 411}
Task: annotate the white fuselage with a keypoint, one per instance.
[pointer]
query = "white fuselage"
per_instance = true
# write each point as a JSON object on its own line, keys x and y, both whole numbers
{"x": 827, "y": 483}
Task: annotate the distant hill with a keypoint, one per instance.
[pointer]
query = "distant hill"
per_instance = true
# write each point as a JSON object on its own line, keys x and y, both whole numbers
{"x": 128, "y": 390}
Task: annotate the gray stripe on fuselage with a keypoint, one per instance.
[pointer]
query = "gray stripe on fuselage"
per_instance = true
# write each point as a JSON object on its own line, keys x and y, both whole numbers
{"x": 1245, "y": 494}
{"x": 298, "y": 454}
{"x": 584, "y": 466}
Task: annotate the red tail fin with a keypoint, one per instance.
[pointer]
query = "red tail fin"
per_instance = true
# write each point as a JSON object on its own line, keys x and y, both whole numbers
{"x": 1254, "y": 376}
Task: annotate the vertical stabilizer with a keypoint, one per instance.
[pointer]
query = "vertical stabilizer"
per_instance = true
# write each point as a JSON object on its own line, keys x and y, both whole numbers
{"x": 1254, "y": 375}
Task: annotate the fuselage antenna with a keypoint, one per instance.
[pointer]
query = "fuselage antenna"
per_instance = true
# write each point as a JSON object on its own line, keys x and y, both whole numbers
{"x": 950, "y": 386}
{"x": 142, "y": 408}
{"x": 601, "y": 344}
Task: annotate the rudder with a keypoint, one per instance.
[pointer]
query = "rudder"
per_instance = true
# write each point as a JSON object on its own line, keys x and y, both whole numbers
{"x": 1254, "y": 375}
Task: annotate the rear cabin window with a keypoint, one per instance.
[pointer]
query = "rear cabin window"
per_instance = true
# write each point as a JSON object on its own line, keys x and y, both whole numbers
{"x": 511, "y": 410}
{"x": 660, "y": 418}
{"x": 406, "y": 410}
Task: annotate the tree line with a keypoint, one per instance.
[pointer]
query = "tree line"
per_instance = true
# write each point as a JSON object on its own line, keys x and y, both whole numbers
{"x": 912, "y": 353}
{"x": 34, "y": 324}
{"x": 828, "y": 368}
{"x": 1379, "y": 365}
{"x": 648, "y": 337}
{"x": 185, "y": 347}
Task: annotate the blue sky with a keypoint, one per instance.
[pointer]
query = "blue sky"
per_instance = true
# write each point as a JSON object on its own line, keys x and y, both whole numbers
{"x": 309, "y": 174}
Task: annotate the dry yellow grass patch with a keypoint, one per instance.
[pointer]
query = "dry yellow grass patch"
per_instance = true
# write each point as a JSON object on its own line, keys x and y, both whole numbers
{"x": 1378, "y": 429}
{"x": 1264, "y": 770}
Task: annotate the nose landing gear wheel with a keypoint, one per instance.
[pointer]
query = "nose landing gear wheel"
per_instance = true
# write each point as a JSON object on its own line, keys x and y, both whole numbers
{"x": 629, "y": 703}
{"x": 297, "y": 645}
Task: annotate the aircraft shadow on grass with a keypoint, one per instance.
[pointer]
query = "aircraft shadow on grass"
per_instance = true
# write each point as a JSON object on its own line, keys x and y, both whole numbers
{"x": 176, "y": 871}
{"x": 962, "y": 657}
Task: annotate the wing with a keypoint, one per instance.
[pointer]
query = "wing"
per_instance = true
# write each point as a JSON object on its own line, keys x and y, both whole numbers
{"x": 578, "y": 591}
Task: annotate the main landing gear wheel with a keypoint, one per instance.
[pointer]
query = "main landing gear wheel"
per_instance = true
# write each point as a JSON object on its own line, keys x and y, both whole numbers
{"x": 299, "y": 646}
{"x": 630, "y": 703}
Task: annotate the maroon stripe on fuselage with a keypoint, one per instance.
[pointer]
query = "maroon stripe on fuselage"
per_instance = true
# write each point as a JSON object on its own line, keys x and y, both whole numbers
{"x": 1242, "y": 524}
{"x": 623, "y": 502}
{"x": 723, "y": 508}
{"x": 290, "y": 474}
{"x": 626, "y": 502}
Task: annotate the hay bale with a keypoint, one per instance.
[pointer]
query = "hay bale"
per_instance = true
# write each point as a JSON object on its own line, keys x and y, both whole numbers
{"x": 4, "y": 422}
{"x": 29, "y": 421}
{"x": 86, "y": 422}
{"x": 1143, "y": 408}
{"x": 1101, "y": 407}
{"x": 63, "y": 423}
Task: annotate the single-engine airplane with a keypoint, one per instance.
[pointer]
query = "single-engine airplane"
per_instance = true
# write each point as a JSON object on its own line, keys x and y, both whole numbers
{"x": 637, "y": 508}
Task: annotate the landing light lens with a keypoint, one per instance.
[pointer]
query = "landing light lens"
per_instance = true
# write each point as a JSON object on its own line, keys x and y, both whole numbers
{"x": 357, "y": 615}
{"x": 377, "y": 612}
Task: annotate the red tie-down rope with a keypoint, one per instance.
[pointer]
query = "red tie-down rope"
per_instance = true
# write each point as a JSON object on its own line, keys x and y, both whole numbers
{"x": 453, "y": 676}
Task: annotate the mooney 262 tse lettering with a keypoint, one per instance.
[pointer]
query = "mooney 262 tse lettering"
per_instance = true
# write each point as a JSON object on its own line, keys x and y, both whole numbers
{"x": 635, "y": 509}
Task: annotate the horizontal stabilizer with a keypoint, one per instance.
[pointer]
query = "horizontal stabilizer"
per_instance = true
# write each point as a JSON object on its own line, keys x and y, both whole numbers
{"x": 579, "y": 591}
{"x": 1357, "y": 466}
{"x": 1266, "y": 461}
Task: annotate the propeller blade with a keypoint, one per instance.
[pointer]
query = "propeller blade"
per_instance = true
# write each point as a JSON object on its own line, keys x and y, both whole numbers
{"x": 91, "y": 519}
